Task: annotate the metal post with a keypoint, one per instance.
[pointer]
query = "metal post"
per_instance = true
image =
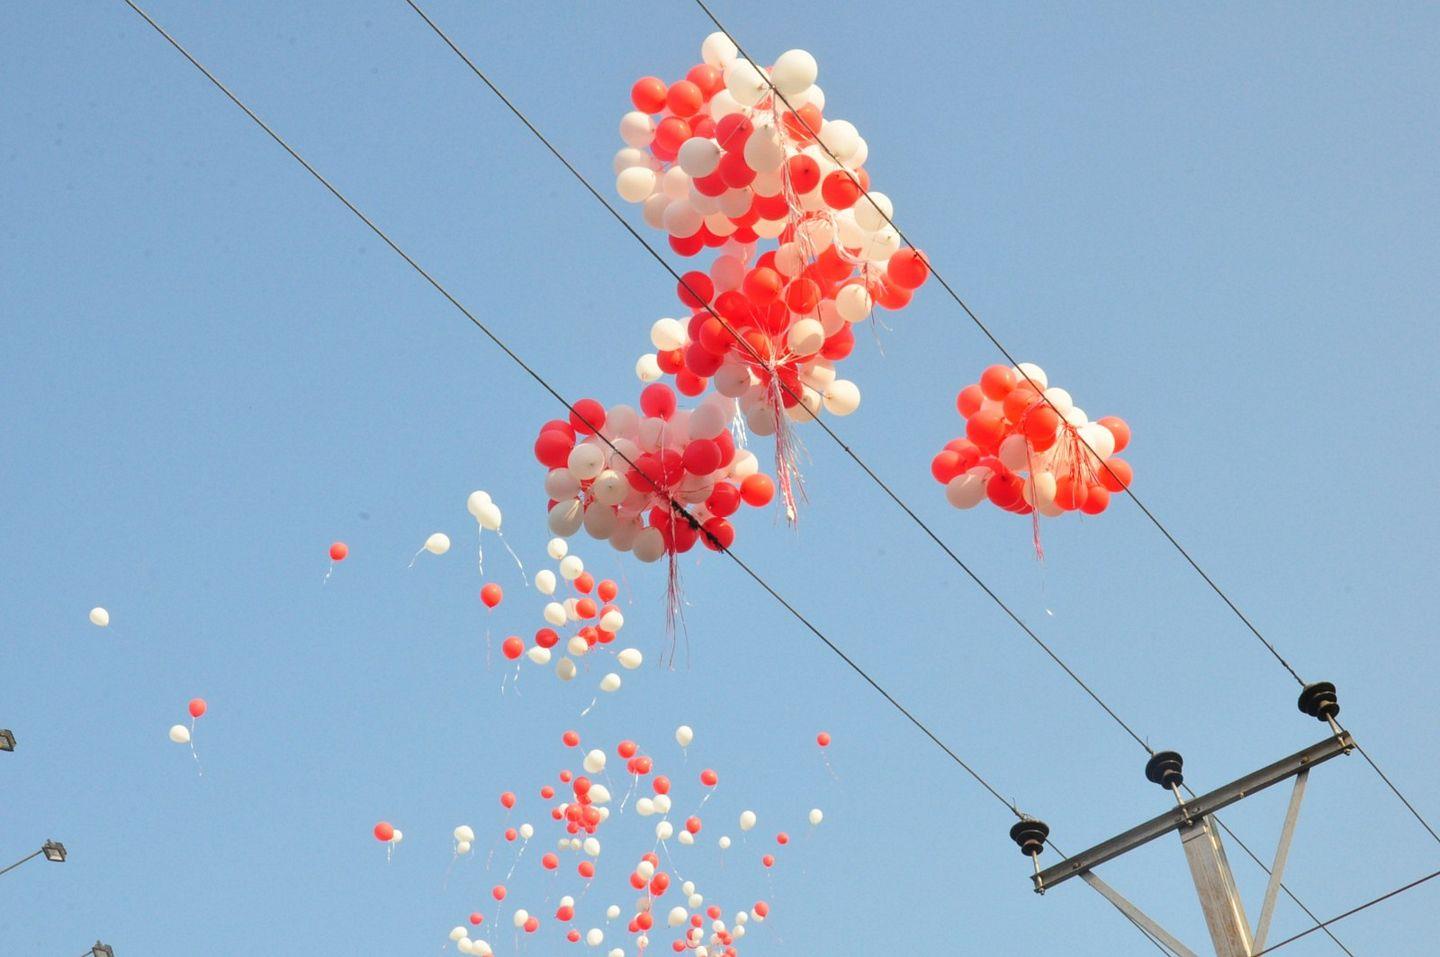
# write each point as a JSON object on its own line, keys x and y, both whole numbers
{"x": 1215, "y": 886}
{"x": 1282, "y": 853}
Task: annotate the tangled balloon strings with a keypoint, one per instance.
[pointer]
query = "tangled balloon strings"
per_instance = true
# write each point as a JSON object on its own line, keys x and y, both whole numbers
{"x": 726, "y": 166}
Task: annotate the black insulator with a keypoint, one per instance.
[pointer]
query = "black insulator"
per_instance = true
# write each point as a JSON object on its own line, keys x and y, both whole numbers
{"x": 1030, "y": 835}
{"x": 1163, "y": 768}
{"x": 1318, "y": 701}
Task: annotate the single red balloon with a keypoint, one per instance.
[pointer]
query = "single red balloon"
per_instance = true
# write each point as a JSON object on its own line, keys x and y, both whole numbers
{"x": 490, "y": 594}
{"x": 338, "y": 551}
{"x": 197, "y": 707}
{"x": 384, "y": 832}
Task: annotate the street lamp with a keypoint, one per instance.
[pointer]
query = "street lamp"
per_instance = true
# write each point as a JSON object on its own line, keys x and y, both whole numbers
{"x": 99, "y": 950}
{"x": 53, "y": 851}
{"x": 7, "y": 740}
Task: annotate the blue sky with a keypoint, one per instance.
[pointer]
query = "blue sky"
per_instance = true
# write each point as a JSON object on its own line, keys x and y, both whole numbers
{"x": 1217, "y": 224}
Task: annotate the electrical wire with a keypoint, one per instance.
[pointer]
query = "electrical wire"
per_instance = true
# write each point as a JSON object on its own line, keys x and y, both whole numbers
{"x": 1352, "y": 911}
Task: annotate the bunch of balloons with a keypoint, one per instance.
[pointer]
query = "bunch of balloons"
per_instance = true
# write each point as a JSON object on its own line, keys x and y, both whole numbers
{"x": 590, "y": 825}
{"x": 662, "y": 456}
{"x": 718, "y": 159}
{"x": 1029, "y": 449}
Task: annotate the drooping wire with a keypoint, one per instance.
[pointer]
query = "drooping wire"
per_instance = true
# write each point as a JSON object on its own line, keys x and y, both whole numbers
{"x": 995, "y": 341}
{"x": 1351, "y": 912}
{"x": 579, "y": 177}
{"x": 755, "y": 576}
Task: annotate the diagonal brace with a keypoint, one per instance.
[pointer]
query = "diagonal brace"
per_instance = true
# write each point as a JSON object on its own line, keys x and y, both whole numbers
{"x": 1282, "y": 852}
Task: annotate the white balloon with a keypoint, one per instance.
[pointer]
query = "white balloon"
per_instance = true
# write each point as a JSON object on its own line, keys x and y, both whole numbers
{"x": 1100, "y": 439}
{"x": 1060, "y": 399}
{"x": 794, "y": 72}
{"x": 612, "y": 621}
{"x": 610, "y": 488}
{"x": 438, "y": 543}
{"x": 565, "y": 517}
{"x": 610, "y": 682}
{"x": 630, "y": 658}
{"x": 647, "y": 368}
{"x": 99, "y": 617}
{"x": 464, "y": 946}
{"x": 744, "y": 82}
{"x": 635, "y": 184}
{"x": 684, "y": 735}
{"x": 594, "y": 762}
{"x": 399, "y": 836}
{"x": 667, "y": 334}
{"x": 545, "y": 581}
{"x": 664, "y": 830}
{"x": 842, "y": 397}
{"x": 591, "y": 847}
{"x": 649, "y": 545}
{"x": 594, "y": 937}
{"x": 565, "y": 669}
{"x": 637, "y": 129}
{"x": 699, "y": 156}
{"x": 1039, "y": 490}
{"x": 538, "y": 655}
{"x": 628, "y": 157}
{"x": 527, "y": 831}
{"x": 685, "y": 837}
{"x": 476, "y": 499}
{"x": 521, "y": 916}
{"x": 463, "y": 847}
{"x": 662, "y": 803}
{"x": 586, "y": 461}
{"x": 747, "y": 820}
{"x": 557, "y": 548}
{"x": 1015, "y": 453}
{"x": 555, "y": 614}
{"x": 560, "y": 484}
{"x": 840, "y": 137}
{"x": 464, "y": 833}
{"x": 718, "y": 50}
{"x": 459, "y": 933}
{"x": 724, "y": 842}
{"x": 645, "y": 807}
{"x": 853, "y": 302}
{"x": 682, "y": 219}
{"x": 677, "y": 916}
{"x": 570, "y": 567}
{"x": 806, "y": 337}
{"x": 180, "y": 734}
{"x": 1034, "y": 373}
{"x": 873, "y": 212}
{"x": 965, "y": 491}
{"x": 653, "y": 210}
{"x": 763, "y": 150}
{"x": 816, "y": 815}
{"x": 600, "y": 521}
{"x": 480, "y": 948}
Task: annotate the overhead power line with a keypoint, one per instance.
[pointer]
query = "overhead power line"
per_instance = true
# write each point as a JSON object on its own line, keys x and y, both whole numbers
{"x": 1352, "y": 911}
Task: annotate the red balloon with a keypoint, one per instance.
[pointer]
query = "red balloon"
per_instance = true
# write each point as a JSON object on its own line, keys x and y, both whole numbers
{"x": 701, "y": 289}
{"x": 693, "y": 825}
{"x": 719, "y": 534}
{"x": 907, "y": 268}
{"x": 513, "y": 647}
{"x": 627, "y": 749}
{"x": 670, "y": 133}
{"x": 1122, "y": 475}
{"x": 761, "y": 909}
{"x": 986, "y": 429}
{"x": 607, "y": 590}
{"x": 550, "y": 862}
{"x": 586, "y": 870}
{"x": 552, "y": 449}
{"x": 708, "y": 78}
{"x": 384, "y": 832}
{"x": 823, "y": 739}
{"x": 338, "y": 551}
{"x": 658, "y": 401}
{"x": 1097, "y": 499}
{"x": 661, "y": 784}
{"x": 532, "y": 924}
{"x": 197, "y": 707}
{"x": 768, "y": 860}
{"x": 546, "y": 638}
{"x": 648, "y": 94}
{"x": 997, "y": 381}
{"x": 709, "y": 778}
{"x": 1005, "y": 489}
{"x": 477, "y": 918}
{"x": 498, "y": 892}
{"x": 946, "y": 465}
{"x": 757, "y": 490}
{"x": 702, "y": 456}
{"x": 804, "y": 173}
{"x": 507, "y": 799}
{"x": 782, "y": 838}
{"x": 586, "y": 416}
{"x": 584, "y": 582}
{"x": 1119, "y": 429}
{"x": 839, "y": 190}
{"x": 684, "y": 98}
{"x": 571, "y": 739}
{"x": 491, "y": 594}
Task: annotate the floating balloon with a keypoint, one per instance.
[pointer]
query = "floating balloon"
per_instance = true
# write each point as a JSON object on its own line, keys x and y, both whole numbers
{"x": 197, "y": 707}
{"x": 180, "y": 734}
{"x": 384, "y": 831}
{"x": 1030, "y": 450}
{"x": 491, "y": 594}
{"x": 438, "y": 543}
{"x": 338, "y": 551}
{"x": 99, "y": 617}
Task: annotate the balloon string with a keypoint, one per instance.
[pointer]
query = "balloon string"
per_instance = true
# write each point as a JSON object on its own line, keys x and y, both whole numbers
{"x": 328, "y": 573}
{"x": 418, "y": 552}
{"x": 634, "y": 783}
{"x": 516, "y": 863}
{"x": 480, "y": 548}
{"x": 518, "y": 563}
{"x": 826, "y": 758}
{"x": 590, "y": 706}
{"x": 198, "y": 766}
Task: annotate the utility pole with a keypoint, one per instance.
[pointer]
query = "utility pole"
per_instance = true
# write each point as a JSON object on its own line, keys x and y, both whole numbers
{"x": 1193, "y": 821}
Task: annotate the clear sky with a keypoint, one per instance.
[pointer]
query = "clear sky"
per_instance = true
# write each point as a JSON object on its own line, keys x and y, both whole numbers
{"x": 1220, "y": 225}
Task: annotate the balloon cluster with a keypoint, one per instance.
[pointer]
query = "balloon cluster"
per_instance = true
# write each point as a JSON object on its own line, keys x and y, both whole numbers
{"x": 1028, "y": 448}
{"x": 589, "y": 827}
{"x": 718, "y": 160}
{"x": 662, "y": 456}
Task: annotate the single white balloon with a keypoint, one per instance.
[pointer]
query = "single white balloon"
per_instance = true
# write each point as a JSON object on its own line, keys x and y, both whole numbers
{"x": 438, "y": 543}
{"x": 684, "y": 735}
{"x": 180, "y": 734}
{"x": 99, "y": 617}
